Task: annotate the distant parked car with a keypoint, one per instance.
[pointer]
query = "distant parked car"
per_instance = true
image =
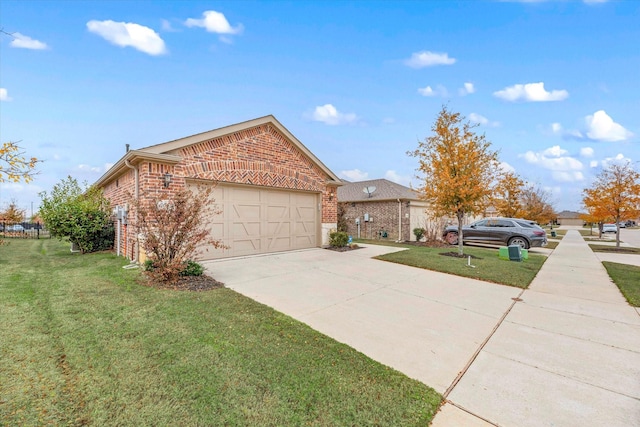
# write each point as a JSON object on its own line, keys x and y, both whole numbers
{"x": 16, "y": 227}
{"x": 622, "y": 224}
{"x": 609, "y": 228}
{"x": 499, "y": 231}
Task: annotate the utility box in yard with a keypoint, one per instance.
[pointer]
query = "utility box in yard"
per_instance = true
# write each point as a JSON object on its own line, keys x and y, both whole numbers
{"x": 515, "y": 253}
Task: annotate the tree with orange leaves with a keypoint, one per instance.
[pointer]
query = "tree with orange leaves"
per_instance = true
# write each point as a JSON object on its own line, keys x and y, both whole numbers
{"x": 458, "y": 168}
{"x": 615, "y": 195}
{"x": 14, "y": 166}
{"x": 536, "y": 204}
{"x": 507, "y": 197}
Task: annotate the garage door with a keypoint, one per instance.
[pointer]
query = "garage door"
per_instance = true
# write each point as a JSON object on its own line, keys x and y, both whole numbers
{"x": 262, "y": 220}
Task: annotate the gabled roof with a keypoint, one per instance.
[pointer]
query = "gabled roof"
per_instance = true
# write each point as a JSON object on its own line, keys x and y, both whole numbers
{"x": 385, "y": 190}
{"x": 166, "y": 152}
{"x": 569, "y": 214}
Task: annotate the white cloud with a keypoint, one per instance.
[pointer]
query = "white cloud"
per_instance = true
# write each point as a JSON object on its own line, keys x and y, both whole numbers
{"x": 506, "y": 167}
{"x": 586, "y": 152}
{"x": 554, "y": 151}
{"x": 4, "y": 95}
{"x": 532, "y": 92}
{"x": 388, "y": 120}
{"x": 328, "y": 114}
{"x": 601, "y": 127}
{"x": 556, "y": 128}
{"x": 467, "y": 89}
{"x": 618, "y": 159}
{"x": 593, "y": 164}
{"x": 214, "y": 22}
{"x": 428, "y": 59}
{"x": 563, "y": 168}
{"x": 438, "y": 91}
{"x": 480, "y": 119}
{"x": 26, "y": 42}
{"x": 166, "y": 26}
{"x": 392, "y": 176}
{"x": 354, "y": 175}
{"x": 567, "y": 176}
{"x": 125, "y": 34}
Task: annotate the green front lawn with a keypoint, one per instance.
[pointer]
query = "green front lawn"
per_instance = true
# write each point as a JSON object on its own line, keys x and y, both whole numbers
{"x": 615, "y": 250}
{"x": 83, "y": 343}
{"x": 488, "y": 266}
{"x": 627, "y": 278}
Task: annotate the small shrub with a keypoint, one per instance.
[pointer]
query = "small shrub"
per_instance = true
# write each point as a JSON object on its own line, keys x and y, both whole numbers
{"x": 148, "y": 265}
{"x": 338, "y": 239}
{"x": 418, "y": 232}
{"x": 192, "y": 268}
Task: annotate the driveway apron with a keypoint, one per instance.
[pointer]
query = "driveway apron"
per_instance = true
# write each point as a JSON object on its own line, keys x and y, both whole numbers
{"x": 423, "y": 323}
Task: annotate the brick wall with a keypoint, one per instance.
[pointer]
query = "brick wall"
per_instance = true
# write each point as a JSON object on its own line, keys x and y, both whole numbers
{"x": 385, "y": 217}
{"x": 256, "y": 156}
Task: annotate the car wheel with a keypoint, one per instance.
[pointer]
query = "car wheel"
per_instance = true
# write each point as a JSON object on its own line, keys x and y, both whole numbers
{"x": 520, "y": 241}
{"x": 451, "y": 238}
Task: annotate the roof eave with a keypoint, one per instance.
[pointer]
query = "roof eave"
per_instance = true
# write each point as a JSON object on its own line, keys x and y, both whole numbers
{"x": 134, "y": 157}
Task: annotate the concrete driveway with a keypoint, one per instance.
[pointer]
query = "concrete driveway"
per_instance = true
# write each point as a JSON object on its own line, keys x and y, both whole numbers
{"x": 425, "y": 324}
{"x": 565, "y": 352}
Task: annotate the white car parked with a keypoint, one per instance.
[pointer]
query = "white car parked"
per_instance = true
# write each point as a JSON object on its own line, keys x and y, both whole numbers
{"x": 609, "y": 228}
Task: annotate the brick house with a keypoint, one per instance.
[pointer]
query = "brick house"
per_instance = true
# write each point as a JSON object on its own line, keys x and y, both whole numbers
{"x": 273, "y": 193}
{"x": 569, "y": 218}
{"x": 391, "y": 208}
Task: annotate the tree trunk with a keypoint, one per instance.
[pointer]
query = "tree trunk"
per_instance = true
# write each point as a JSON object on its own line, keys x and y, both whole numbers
{"x": 618, "y": 231}
{"x": 460, "y": 215}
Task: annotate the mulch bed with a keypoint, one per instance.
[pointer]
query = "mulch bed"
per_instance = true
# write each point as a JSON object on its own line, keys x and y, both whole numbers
{"x": 457, "y": 255}
{"x": 190, "y": 283}
{"x": 342, "y": 249}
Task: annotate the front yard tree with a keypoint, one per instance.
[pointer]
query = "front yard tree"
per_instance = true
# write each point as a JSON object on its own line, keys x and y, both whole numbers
{"x": 536, "y": 204}
{"x": 507, "y": 198}
{"x": 14, "y": 166}
{"x": 78, "y": 213}
{"x": 615, "y": 194}
{"x": 458, "y": 168}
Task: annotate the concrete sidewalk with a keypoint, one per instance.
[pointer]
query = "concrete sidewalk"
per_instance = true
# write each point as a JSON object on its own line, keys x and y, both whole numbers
{"x": 568, "y": 354}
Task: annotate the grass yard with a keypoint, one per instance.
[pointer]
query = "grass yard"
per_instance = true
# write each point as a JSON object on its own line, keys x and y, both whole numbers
{"x": 83, "y": 343}
{"x": 612, "y": 249}
{"x": 488, "y": 266}
{"x": 627, "y": 278}
{"x": 552, "y": 244}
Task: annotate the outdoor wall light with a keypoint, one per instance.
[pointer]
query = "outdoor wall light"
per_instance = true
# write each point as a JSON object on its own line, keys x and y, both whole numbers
{"x": 331, "y": 194}
{"x": 166, "y": 179}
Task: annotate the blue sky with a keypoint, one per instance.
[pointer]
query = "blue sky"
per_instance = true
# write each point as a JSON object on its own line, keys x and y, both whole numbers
{"x": 553, "y": 84}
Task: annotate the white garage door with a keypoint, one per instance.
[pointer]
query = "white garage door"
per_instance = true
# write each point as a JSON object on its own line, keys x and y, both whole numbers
{"x": 260, "y": 220}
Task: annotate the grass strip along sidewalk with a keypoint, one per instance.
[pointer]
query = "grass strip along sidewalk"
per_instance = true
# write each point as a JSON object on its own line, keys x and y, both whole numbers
{"x": 627, "y": 278}
{"x": 83, "y": 343}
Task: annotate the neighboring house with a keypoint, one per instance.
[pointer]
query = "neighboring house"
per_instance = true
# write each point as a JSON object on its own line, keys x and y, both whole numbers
{"x": 569, "y": 218}
{"x": 391, "y": 209}
{"x": 273, "y": 193}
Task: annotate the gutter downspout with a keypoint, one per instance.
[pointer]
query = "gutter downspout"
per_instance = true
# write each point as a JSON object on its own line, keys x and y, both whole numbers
{"x": 399, "y": 220}
{"x": 136, "y": 175}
